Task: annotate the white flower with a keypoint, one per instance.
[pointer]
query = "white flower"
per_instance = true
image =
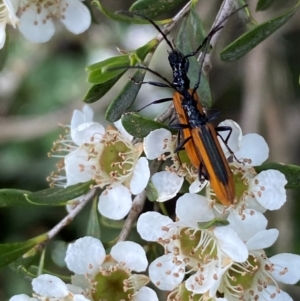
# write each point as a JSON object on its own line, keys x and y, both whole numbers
{"x": 106, "y": 157}
{"x": 168, "y": 183}
{"x": 257, "y": 278}
{"x": 189, "y": 248}
{"x": 22, "y": 297}
{"x": 7, "y": 16}
{"x": 36, "y": 20}
{"x": 103, "y": 274}
{"x": 97, "y": 276}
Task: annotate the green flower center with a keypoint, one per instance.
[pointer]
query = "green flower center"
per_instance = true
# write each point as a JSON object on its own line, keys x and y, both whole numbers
{"x": 114, "y": 159}
{"x": 109, "y": 286}
{"x": 197, "y": 245}
{"x": 243, "y": 274}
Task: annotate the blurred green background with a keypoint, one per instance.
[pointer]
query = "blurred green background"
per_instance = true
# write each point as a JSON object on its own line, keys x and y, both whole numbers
{"x": 42, "y": 84}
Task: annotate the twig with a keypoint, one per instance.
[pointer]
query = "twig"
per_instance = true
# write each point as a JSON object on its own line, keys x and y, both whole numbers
{"x": 225, "y": 10}
{"x": 166, "y": 114}
{"x": 68, "y": 219}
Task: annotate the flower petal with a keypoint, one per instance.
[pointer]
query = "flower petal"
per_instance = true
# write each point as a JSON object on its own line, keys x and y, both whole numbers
{"x": 155, "y": 144}
{"x": 49, "y": 286}
{"x": 273, "y": 194}
{"x": 150, "y": 225}
{"x": 165, "y": 274}
{"x": 76, "y": 16}
{"x": 85, "y": 255}
{"x": 118, "y": 124}
{"x": 235, "y": 138}
{"x": 73, "y": 167}
{"x": 286, "y": 267}
{"x": 79, "y": 117}
{"x": 208, "y": 275}
{"x": 197, "y": 186}
{"x": 132, "y": 254}
{"x": 231, "y": 244}
{"x": 35, "y": 26}
{"x": 193, "y": 208}
{"x": 22, "y": 297}
{"x": 248, "y": 223}
{"x": 253, "y": 147}
{"x": 115, "y": 203}
{"x": 88, "y": 132}
{"x": 167, "y": 185}
{"x": 140, "y": 177}
{"x": 271, "y": 293}
{"x": 262, "y": 240}
{"x": 146, "y": 293}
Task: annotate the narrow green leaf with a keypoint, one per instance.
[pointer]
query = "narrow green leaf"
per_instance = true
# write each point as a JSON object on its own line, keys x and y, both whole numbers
{"x": 4, "y": 51}
{"x": 217, "y": 222}
{"x": 263, "y": 4}
{"x": 13, "y": 197}
{"x": 58, "y": 196}
{"x": 121, "y": 17}
{"x": 125, "y": 99}
{"x": 196, "y": 30}
{"x": 12, "y": 251}
{"x": 98, "y": 91}
{"x": 252, "y": 38}
{"x": 115, "y": 61}
{"x": 291, "y": 172}
{"x": 104, "y": 71}
{"x": 142, "y": 52}
{"x": 192, "y": 30}
{"x": 139, "y": 126}
{"x": 152, "y": 9}
{"x": 151, "y": 192}
{"x": 93, "y": 226}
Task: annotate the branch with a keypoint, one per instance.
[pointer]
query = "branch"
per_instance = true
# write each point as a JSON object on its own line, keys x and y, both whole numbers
{"x": 69, "y": 218}
{"x": 225, "y": 10}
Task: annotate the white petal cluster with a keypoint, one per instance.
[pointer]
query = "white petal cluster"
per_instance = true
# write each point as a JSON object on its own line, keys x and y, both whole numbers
{"x": 212, "y": 250}
{"x": 96, "y": 274}
{"x": 108, "y": 158}
{"x": 37, "y": 18}
{"x": 7, "y": 16}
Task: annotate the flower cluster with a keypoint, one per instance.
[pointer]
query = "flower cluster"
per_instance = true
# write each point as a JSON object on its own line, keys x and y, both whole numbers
{"x": 95, "y": 275}
{"x": 35, "y": 18}
{"x": 211, "y": 251}
{"x": 106, "y": 156}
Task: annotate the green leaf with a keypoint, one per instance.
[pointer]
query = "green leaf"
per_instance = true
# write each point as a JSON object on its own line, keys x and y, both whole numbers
{"x": 125, "y": 98}
{"x": 115, "y": 61}
{"x": 263, "y": 4}
{"x": 252, "y": 38}
{"x": 152, "y": 9}
{"x": 12, "y": 251}
{"x": 98, "y": 91}
{"x": 4, "y": 51}
{"x": 216, "y": 222}
{"x": 58, "y": 196}
{"x": 151, "y": 192}
{"x": 13, "y": 197}
{"x": 139, "y": 126}
{"x": 291, "y": 172}
{"x": 121, "y": 17}
{"x": 192, "y": 30}
{"x": 142, "y": 52}
{"x": 104, "y": 71}
{"x": 93, "y": 226}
